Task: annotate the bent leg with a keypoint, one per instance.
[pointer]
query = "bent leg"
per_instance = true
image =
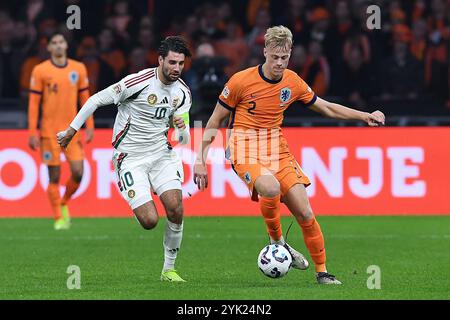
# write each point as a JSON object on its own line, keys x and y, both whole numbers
{"x": 73, "y": 183}
{"x": 268, "y": 188}
{"x": 173, "y": 235}
{"x": 296, "y": 199}
{"x": 147, "y": 215}
{"x": 54, "y": 197}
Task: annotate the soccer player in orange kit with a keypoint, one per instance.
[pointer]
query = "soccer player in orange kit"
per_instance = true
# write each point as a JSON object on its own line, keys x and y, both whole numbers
{"x": 254, "y": 100}
{"x": 58, "y": 83}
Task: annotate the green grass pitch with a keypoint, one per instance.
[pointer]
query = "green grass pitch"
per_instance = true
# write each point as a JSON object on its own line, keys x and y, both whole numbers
{"x": 120, "y": 260}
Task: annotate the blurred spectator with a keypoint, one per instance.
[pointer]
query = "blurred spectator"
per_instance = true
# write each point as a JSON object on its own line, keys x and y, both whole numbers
{"x": 47, "y": 27}
{"x": 418, "y": 10}
{"x": 100, "y": 74}
{"x": 120, "y": 21}
{"x": 255, "y": 38}
{"x": 320, "y": 22}
{"x": 315, "y": 70}
{"x": 253, "y": 9}
{"x": 402, "y": 74}
{"x": 146, "y": 40}
{"x": 110, "y": 53}
{"x": 419, "y": 39}
{"x": 234, "y": 48}
{"x": 298, "y": 59}
{"x": 34, "y": 12}
{"x": 354, "y": 81}
{"x": 41, "y": 53}
{"x": 126, "y": 33}
{"x": 225, "y": 14}
{"x": 206, "y": 77}
{"x": 208, "y": 23}
{"x": 437, "y": 56}
{"x": 358, "y": 40}
{"x": 341, "y": 30}
{"x": 137, "y": 61}
{"x": 9, "y": 59}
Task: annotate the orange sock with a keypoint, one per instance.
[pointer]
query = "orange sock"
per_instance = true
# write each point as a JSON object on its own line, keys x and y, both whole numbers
{"x": 315, "y": 243}
{"x": 55, "y": 199}
{"x": 270, "y": 209}
{"x": 71, "y": 188}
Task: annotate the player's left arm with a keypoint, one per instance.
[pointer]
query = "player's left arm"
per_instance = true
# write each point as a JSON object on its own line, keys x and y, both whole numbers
{"x": 337, "y": 111}
{"x": 181, "y": 118}
{"x": 83, "y": 95}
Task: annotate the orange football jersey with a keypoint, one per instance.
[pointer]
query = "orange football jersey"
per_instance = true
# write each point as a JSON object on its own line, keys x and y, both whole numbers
{"x": 59, "y": 88}
{"x": 258, "y": 104}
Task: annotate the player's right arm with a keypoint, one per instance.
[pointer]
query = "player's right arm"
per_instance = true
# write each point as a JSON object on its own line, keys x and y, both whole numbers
{"x": 214, "y": 122}
{"x": 101, "y": 98}
{"x": 228, "y": 100}
{"x": 35, "y": 95}
{"x": 114, "y": 94}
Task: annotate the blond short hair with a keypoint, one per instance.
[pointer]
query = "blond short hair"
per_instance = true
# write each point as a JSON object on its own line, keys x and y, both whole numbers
{"x": 278, "y": 36}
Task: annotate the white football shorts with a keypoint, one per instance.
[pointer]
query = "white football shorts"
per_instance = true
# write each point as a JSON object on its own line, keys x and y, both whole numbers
{"x": 140, "y": 175}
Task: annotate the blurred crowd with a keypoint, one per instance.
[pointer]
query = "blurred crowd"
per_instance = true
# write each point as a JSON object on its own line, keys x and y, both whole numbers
{"x": 403, "y": 63}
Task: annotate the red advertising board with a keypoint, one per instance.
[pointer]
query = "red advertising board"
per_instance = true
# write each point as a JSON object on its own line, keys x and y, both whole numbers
{"x": 354, "y": 171}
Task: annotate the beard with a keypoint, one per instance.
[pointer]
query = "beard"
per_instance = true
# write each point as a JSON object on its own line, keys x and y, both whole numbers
{"x": 170, "y": 76}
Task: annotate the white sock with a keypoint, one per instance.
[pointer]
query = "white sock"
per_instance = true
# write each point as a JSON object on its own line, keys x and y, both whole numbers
{"x": 281, "y": 242}
{"x": 171, "y": 243}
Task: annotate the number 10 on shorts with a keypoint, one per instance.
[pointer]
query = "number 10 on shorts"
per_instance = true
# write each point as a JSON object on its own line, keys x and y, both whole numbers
{"x": 126, "y": 180}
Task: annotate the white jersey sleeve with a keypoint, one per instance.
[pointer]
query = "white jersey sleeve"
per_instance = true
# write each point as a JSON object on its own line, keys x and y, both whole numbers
{"x": 182, "y": 111}
{"x": 131, "y": 85}
{"x": 101, "y": 98}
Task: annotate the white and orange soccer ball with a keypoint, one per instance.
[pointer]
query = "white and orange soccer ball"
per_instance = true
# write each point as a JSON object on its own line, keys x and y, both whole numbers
{"x": 274, "y": 261}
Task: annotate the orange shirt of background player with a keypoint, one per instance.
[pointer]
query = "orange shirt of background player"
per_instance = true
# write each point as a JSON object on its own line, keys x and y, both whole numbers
{"x": 59, "y": 89}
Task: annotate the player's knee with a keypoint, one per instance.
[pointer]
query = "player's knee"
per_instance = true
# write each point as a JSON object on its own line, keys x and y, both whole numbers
{"x": 149, "y": 222}
{"x": 307, "y": 214}
{"x": 175, "y": 212}
{"x": 77, "y": 175}
{"x": 267, "y": 186}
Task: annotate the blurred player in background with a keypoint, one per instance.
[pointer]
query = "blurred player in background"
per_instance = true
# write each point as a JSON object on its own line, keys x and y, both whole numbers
{"x": 254, "y": 100}
{"x": 143, "y": 158}
{"x": 58, "y": 83}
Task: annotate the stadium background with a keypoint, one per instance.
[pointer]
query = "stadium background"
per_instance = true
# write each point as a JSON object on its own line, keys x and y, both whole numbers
{"x": 402, "y": 169}
{"x": 401, "y": 69}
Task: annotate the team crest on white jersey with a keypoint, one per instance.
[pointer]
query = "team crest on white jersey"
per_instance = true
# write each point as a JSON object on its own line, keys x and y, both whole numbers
{"x": 152, "y": 99}
{"x": 285, "y": 94}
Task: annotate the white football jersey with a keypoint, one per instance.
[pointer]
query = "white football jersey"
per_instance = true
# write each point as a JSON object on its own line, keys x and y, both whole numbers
{"x": 145, "y": 105}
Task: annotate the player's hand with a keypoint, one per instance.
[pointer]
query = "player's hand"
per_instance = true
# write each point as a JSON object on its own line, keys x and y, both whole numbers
{"x": 89, "y": 134}
{"x": 179, "y": 123}
{"x": 376, "y": 119}
{"x": 33, "y": 142}
{"x": 201, "y": 176}
{"x": 64, "y": 137}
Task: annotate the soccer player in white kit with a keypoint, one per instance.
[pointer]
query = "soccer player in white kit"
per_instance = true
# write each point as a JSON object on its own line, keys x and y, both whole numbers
{"x": 143, "y": 158}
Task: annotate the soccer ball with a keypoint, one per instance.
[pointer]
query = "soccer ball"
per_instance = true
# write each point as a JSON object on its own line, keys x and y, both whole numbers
{"x": 274, "y": 261}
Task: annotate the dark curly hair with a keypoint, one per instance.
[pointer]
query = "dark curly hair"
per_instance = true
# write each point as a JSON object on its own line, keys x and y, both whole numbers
{"x": 175, "y": 44}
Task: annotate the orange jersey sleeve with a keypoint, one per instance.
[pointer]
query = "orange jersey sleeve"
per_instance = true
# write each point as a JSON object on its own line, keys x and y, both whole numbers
{"x": 35, "y": 95}
{"x": 304, "y": 93}
{"x": 231, "y": 93}
{"x": 257, "y": 102}
{"x": 83, "y": 92}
